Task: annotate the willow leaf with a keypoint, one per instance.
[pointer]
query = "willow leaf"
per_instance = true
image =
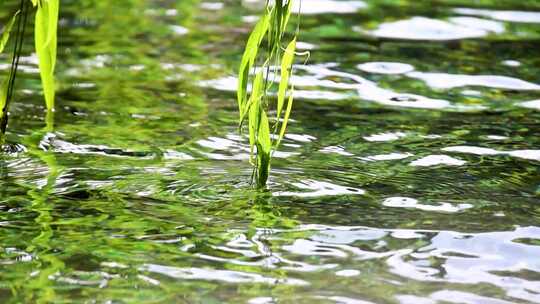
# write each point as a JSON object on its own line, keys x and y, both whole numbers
{"x": 7, "y": 30}
{"x": 254, "y": 108}
{"x": 3, "y": 96}
{"x": 46, "y": 43}
{"x": 286, "y": 117}
{"x": 256, "y": 94}
{"x": 248, "y": 59}
{"x": 277, "y": 22}
{"x": 254, "y": 104}
{"x": 53, "y": 23}
{"x": 264, "y": 146}
{"x": 263, "y": 135}
{"x": 286, "y": 66}
{"x": 253, "y": 123}
{"x": 287, "y": 15}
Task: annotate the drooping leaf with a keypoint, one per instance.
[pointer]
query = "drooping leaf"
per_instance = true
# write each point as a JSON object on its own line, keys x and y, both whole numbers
{"x": 256, "y": 94}
{"x": 264, "y": 147}
{"x": 277, "y": 19}
{"x": 253, "y": 122}
{"x": 248, "y": 59}
{"x": 270, "y": 28}
{"x": 3, "y": 96}
{"x": 52, "y": 31}
{"x": 6, "y": 33}
{"x": 46, "y": 44}
{"x": 254, "y": 108}
{"x": 263, "y": 135}
{"x": 286, "y": 66}
{"x": 286, "y": 14}
{"x": 286, "y": 117}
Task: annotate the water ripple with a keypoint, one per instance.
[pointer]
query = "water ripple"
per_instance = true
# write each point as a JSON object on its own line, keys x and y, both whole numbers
{"x": 329, "y": 7}
{"x": 510, "y": 16}
{"x": 523, "y": 154}
{"x": 490, "y": 257}
{"x": 226, "y": 276}
{"x": 422, "y": 28}
{"x": 319, "y": 188}
{"x": 450, "y": 81}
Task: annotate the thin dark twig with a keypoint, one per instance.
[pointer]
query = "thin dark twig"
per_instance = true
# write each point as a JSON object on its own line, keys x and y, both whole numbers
{"x": 17, "y": 50}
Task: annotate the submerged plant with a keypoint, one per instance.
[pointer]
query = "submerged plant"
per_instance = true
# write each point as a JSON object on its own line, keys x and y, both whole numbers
{"x": 45, "y": 37}
{"x": 254, "y": 103}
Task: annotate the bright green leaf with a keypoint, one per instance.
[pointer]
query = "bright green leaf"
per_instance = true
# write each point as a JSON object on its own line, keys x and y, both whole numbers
{"x": 46, "y": 43}
{"x": 286, "y": 66}
{"x": 264, "y": 146}
{"x": 249, "y": 57}
{"x": 7, "y": 30}
{"x": 286, "y": 117}
{"x": 3, "y": 96}
{"x": 256, "y": 94}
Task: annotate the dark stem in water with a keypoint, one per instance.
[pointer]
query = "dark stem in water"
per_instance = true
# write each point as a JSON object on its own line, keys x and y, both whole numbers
{"x": 17, "y": 50}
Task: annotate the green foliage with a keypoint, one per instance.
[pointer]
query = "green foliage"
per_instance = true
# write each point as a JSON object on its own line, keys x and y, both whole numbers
{"x": 46, "y": 41}
{"x": 270, "y": 28}
{"x": 248, "y": 60}
{"x": 286, "y": 64}
{"x": 45, "y": 36}
{"x": 7, "y": 31}
{"x": 3, "y": 42}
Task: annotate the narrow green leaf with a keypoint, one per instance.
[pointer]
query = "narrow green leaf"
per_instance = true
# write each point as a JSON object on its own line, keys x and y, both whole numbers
{"x": 253, "y": 123}
{"x": 277, "y": 24}
{"x": 254, "y": 108}
{"x": 264, "y": 146}
{"x": 3, "y": 96}
{"x": 53, "y": 24}
{"x": 256, "y": 94}
{"x": 46, "y": 43}
{"x": 287, "y": 15}
{"x": 263, "y": 169}
{"x": 286, "y": 66}
{"x": 286, "y": 117}
{"x": 7, "y": 30}
{"x": 263, "y": 135}
{"x": 270, "y": 28}
{"x": 248, "y": 59}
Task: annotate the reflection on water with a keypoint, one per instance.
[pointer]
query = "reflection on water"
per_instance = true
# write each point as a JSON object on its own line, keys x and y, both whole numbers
{"x": 422, "y": 28}
{"x": 510, "y": 16}
{"x": 409, "y": 173}
{"x": 533, "y": 104}
{"x": 328, "y": 7}
{"x": 447, "y": 81}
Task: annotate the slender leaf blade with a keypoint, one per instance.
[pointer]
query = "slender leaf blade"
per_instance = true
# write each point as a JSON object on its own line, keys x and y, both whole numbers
{"x": 286, "y": 66}
{"x": 286, "y": 117}
{"x": 263, "y": 135}
{"x": 7, "y": 31}
{"x": 248, "y": 59}
{"x": 3, "y": 96}
{"x": 253, "y": 123}
{"x": 264, "y": 147}
{"x": 46, "y": 44}
{"x": 256, "y": 94}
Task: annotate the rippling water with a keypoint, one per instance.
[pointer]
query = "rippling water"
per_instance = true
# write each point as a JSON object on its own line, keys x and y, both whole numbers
{"x": 409, "y": 174}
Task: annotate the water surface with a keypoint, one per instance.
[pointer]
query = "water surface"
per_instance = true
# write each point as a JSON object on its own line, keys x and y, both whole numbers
{"x": 409, "y": 173}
